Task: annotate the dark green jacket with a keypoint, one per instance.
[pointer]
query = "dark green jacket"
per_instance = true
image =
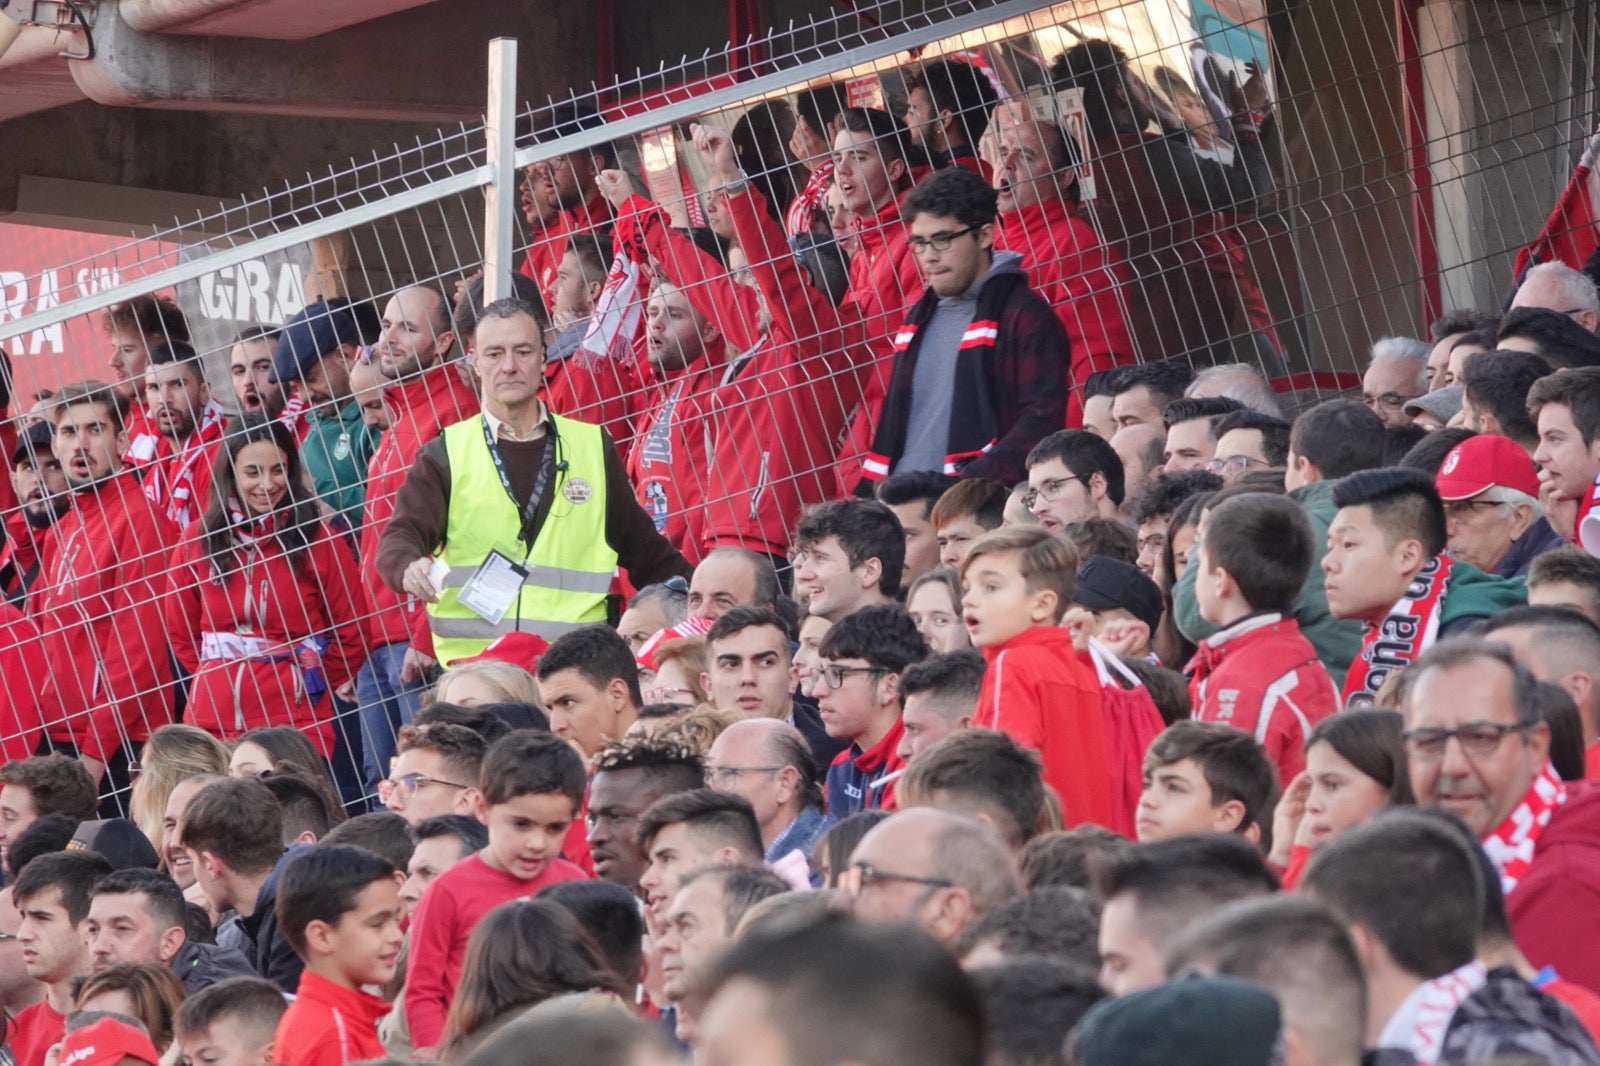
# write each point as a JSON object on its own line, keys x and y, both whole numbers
{"x": 336, "y": 452}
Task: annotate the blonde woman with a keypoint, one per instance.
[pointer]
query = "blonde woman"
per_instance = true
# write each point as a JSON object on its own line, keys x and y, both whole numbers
{"x": 487, "y": 681}
{"x": 173, "y": 753}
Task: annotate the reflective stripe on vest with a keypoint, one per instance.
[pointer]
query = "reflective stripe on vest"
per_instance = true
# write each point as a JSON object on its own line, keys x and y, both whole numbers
{"x": 571, "y": 566}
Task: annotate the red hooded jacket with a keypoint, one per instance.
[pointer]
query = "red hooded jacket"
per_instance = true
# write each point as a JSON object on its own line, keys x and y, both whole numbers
{"x": 1553, "y": 905}
{"x": 1043, "y": 694}
{"x": 268, "y": 600}
{"x": 23, "y": 666}
{"x": 98, "y": 609}
{"x": 545, "y": 253}
{"x": 421, "y": 408}
{"x": 1263, "y": 676}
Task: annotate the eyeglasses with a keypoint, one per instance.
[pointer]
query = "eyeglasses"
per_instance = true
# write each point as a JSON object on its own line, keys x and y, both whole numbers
{"x": 1389, "y": 399}
{"x": 939, "y": 242}
{"x": 862, "y": 876}
{"x": 409, "y": 784}
{"x": 1050, "y": 491}
{"x": 1475, "y": 738}
{"x": 833, "y": 676}
{"x": 664, "y": 694}
{"x": 722, "y": 776}
{"x": 1235, "y": 464}
{"x": 1459, "y": 509}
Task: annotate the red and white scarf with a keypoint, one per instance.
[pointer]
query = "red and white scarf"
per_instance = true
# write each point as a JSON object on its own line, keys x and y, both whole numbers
{"x": 804, "y": 207}
{"x": 171, "y": 485}
{"x": 1410, "y": 629}
{"x": 1512, "y": 843}
{"x": 1424, "y": 1016}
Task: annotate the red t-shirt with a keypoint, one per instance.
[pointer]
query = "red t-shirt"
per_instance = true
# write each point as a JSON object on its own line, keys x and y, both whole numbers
{"x": 453, "y": 905}
{"x": 36, "y": 1030}
{"x": 329, "y": 1025}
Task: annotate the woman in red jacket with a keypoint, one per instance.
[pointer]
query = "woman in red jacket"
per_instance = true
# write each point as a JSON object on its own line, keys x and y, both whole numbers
{"x": 266, "y": 604}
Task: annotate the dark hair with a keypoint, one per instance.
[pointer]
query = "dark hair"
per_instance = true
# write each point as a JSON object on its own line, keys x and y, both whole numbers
{"x": 611, "y": 915}
{"x": 888, "y": 993}
{"x": 147, "y": 315}
{"x": 1167, "y": 687}
{"x": 163, "y": 900}
{"x": 1561, "y": 342}
{"x": 1399, "y": 440}
{"x": 767, "y": 587}
{"x": 1338, "y": 437}
{"x": 1062, "y": 859}
{"x": 180, "y": 353}
{"x": 721, "y": 817}
{"x": 510, "y": 307}
{"x": 820, "y": 105}
{"x": 1466, "y": 650}
{"x": 1109, "y": 537}
{"x": 1570, "y": 564}
{"x": 1166, "y": 491}
{"x": 1266, "y": 544}
{"x": 97, "y": 393}
{"x": 304, "y": 808}
{"x": 1055, "y": 921}
{"x": 1106, "y": 382}
{"x": 383, "y": 833}
{"x": 285, "y": 744}
{"x": 1274, "y": 432}
{"x": 1369, "y": 876}
{"x": 890, "y": 135}
{"x": 321, "y": 884}
{"x": 981, "y": 498}
{"x": 843, "y": 837}
{"x": 257, "y": 1003}
{"x": 523, "y": 953}
{"x": 479, "y": 719}
{"x": 760, "y": 141}
{"x": 1164, "y": 380}
{"x": 1032, "y": 1004}
{"x": 1189, "y": 408}
{"x": 982, "y": 767}
{"x": 1404, "y": 503}
{"x": 594, "y": 1038}
{"x": 56, "y": 784}
{"x": 1453, "y": 322}
{"x": 865, "y": 529}
{"x": 464, "y": 323}
{"x": 1085, "y": 455}
{"x": 915, "y": 486}
{"x": 301, "y": 521}
{"x": 239, "y": 821}
{"x": 954, "y": 192}
{"x": 1558, "y": 711}
{"x": 1097, "y": 67}
{"x": 598, "y": 654}
{"x": 954, "y": 675}
{"x": 1233, "y": 763}
{"x": 882, "y": 634}
{"x": 738, "y": 619}
{"x": 524, "y": 762}
{"x": 48, "y": 833}
{"x": 1174, "y": 882}
{"x": 959, "y": 88}
{"x": 1498, "y": 382}
{"x": 74, "y": 873}
{"x": 1428, "y": 454}
{"x": 673, "y": 762}
{"x": 458, "y": 747}
{"x": 472, "y": 834}
{"x": 1370, "y": 741}
{"x": 742, "y": 888}
{"x": 1578, "y": 390}
{"x": 592, "y": 250}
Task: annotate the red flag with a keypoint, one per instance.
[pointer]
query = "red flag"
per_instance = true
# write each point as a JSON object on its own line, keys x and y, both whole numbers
{"x": 1570, "y": 234}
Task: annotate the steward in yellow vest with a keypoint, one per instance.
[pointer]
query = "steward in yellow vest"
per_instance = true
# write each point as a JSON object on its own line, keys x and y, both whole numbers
{"x": 516, "y": 520}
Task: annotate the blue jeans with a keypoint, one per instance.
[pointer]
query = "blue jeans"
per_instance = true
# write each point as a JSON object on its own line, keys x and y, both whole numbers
{"x": 387, "y": 703}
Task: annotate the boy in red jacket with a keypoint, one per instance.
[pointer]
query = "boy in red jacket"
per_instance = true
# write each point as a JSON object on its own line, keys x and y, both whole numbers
{"x": 532, "y": 788}
{"x": 340, "y": 908}
{"x": 1018, "y": 582}
{"x": 1258, "y": 673}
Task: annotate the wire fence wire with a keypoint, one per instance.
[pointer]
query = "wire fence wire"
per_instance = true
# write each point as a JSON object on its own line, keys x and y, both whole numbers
{"x": 728, "y": 312}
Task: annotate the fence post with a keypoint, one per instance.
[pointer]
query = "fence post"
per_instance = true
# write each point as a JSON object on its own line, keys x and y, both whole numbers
{"x": 500, "y": 195}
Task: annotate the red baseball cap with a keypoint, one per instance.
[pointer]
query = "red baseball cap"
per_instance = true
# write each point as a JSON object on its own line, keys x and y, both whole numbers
{"x": 106, "y": 1043}
{"x": 690, "y": 627}
{"x": 518, "y": 649}
{"x": 1482, "y": 462}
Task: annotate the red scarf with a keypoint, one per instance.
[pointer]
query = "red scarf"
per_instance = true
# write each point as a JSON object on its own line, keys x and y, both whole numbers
{"x": 1512, "y": 843}
{"x": 170, "y": 485}
{"x": 806, "y": 204}
{"x": 1411, "y": 628}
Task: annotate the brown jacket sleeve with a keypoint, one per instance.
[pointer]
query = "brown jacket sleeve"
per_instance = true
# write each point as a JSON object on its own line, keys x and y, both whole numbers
{"x": 421, "y": 516}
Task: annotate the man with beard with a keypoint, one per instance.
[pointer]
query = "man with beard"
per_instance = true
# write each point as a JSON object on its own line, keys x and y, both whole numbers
{"x": 566, "y": 184}
{"x": 135, "y": 328}
{"x": 42, "y": 498}
{"x": 179, "y": 404}
{"x": 250, "y": 368}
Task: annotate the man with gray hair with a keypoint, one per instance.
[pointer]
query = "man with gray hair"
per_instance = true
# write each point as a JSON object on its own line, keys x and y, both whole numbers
{"x": 939, "y": 870}
{"x": 1236, "y": 381}
{"x": 1493, "y": 519}
{"x": 1396, "y": 375}
{"x": 769, "y": 762}
{"x": 652, "y": 609}
{"x": 1557, "y": 287}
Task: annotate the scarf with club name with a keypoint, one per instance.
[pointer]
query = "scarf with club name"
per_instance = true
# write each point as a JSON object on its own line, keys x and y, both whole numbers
{"x": 1418, "y": 1027}
{"x": 1410, "y": 629}
{"x": 1511, "y": 844}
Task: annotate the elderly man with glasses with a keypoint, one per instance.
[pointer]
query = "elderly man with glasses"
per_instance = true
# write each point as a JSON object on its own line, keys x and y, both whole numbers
{"x": 1397, "y": 374}
{"x": 1492, "y": 514}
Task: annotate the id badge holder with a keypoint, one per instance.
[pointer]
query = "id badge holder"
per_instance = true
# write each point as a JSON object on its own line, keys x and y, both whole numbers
{"x": 493, "y": 587}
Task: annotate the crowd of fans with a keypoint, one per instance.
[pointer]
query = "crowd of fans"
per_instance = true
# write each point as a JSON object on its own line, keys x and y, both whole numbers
{"x": 950, "y": 650}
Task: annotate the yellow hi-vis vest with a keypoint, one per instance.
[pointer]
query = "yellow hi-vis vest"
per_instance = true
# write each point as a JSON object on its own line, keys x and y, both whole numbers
{"x": 571, "y": 566}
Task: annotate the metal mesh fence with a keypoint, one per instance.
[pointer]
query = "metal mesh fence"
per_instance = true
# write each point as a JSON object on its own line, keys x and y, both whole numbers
{"x": 724, "y": 255}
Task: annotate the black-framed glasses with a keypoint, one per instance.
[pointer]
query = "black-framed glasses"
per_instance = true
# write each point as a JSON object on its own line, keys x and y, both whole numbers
{"x": 722, "y": 776}
{"x": 939, "y": 242}
{"x": 1476, "y": 739}
{"x": 1388, "y": 399}
{"x": 833, "y": 676}
{"x": 863, "y": 875}
{"x": 410, "y": 784}
{"x": 1049, "y": 490}
{"x": 1234, "y": 464}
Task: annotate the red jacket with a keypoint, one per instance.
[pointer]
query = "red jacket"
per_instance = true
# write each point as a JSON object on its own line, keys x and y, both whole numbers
{"x": 1553, "y": 905}
{"x": 544, "y": 254}
{"x": 421, "y": 407}
{"x": 21, "y": 555}
{"x": 1263, "y": 676}
{"x": 329, "y": 1025}
{"x": 774, "y": 428}
{"x": 23, "y": 666}
{"x": 1084, "y": 279}
{"x": 1046, "y": 697}
{"x": 8, "y": 444}
{"x": 180, "y": 482}
{"x": 98, "y": 608}
{"x": 237, "y": 689}
{"x": 606, "y": 392}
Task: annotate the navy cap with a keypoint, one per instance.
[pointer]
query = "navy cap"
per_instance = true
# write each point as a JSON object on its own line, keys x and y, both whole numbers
{"x": 308, "y": 336}
{"x": 33, "y": 441}
{"x": 119, "y": 840}
{"x": 1105, "y": 584}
